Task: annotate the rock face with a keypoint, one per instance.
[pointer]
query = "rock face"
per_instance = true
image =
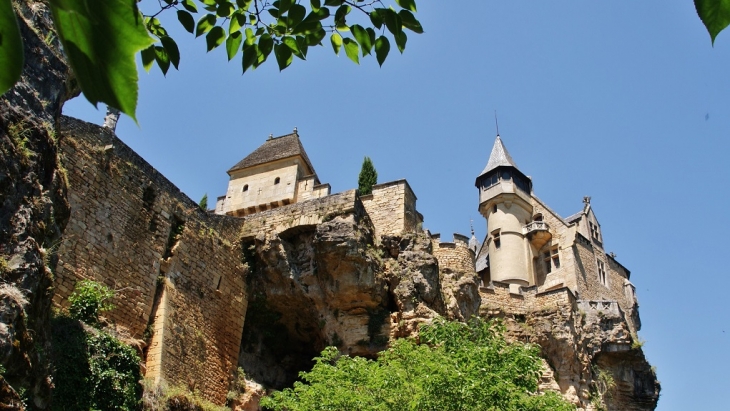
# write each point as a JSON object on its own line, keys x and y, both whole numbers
{"x": 33, "y": 210}
{"x": 591, "y": 359}
{"x": 330, "y": 284}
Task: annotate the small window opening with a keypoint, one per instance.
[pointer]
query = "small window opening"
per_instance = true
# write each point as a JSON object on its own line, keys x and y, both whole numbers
{"x": 496, "y": 238}
{"x": 494, "y": 208}
{"x": 277, "y": 180}
{"x": 537, "y": 217}
{"x": 551, "y": 259}
{"x": 245, "y": 188}
{"x": 218, "y": 286}
{"x": 602, "y": 273}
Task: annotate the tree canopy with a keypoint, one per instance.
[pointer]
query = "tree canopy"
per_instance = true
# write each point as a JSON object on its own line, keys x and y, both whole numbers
{"x": 102, "y": 38}
{"x": 456, "y": 366}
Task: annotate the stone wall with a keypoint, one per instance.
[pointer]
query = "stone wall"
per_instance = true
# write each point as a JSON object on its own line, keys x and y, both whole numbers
{"x": 307, "y": 213}
{"x": 562, "y": 236}
{"x": 499, "y": 296}
{"x": 392, "y": 208}
{"x": 591, "y": 288}
{"x": 178, "y": 269}
{"x": 455, "y": 256}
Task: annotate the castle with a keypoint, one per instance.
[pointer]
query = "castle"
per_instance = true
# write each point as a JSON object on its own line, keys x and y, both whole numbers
{"x": 196, "y": 284}
{"x": 528, "y": 247}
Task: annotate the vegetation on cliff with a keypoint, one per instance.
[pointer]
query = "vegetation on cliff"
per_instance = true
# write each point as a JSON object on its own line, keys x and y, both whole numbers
{"x": 455, "y": 366}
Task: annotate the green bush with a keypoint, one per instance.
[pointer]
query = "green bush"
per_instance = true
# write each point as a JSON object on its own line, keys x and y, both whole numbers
{"x": 457, "y": 366}
{"x": 88, "y": 299}
{"x": 93, "y": 370}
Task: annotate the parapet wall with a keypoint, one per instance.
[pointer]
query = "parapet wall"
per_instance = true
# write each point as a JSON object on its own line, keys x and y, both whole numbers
{"x": 455, "y": 256}
{"x": 500, "y": 296}
{"x": 310, "y": 212}
{"x": 392, "y": 208}
{"x": 177, "y": 267}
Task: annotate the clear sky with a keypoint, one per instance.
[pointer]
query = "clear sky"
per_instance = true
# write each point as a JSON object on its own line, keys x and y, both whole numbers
{"x": 623, "y": 101}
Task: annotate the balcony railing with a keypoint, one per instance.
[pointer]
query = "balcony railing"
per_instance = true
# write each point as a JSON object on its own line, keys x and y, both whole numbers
{"x": 535, "y": 226}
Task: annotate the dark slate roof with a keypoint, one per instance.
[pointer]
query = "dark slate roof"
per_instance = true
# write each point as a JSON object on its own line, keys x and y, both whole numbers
{"x": 498, "y": 157}
{"x": 275, "y": 149}
{"x": 574, "y": 217}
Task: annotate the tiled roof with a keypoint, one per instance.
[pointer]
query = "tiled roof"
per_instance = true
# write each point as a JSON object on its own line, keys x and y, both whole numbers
{"x": 498, "y": 157}
{"x": 482, "y": 259}
{"x": 275, "y": 149}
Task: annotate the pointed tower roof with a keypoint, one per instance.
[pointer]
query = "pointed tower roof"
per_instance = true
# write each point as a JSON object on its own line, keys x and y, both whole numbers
{"x": 499, "y": 157}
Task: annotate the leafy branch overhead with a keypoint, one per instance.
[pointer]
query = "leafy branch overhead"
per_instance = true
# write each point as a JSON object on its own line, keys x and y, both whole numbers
{"x": 715, "y": 15}
{"x": 102, "y": 38}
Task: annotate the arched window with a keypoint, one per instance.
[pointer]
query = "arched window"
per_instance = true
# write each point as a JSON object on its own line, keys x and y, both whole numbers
{"x": 277, "y": 180}
{"x": 245, "y": 188}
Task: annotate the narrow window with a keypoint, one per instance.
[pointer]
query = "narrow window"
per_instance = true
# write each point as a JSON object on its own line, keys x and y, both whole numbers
{"x": 555, "y": 257}
{"x": 494, "y": 208}
{"x": 277, "y": 180}
{"x": 497, "y": 241}
{"x": 602, "y": 273}
{"x": 245, "y": 188}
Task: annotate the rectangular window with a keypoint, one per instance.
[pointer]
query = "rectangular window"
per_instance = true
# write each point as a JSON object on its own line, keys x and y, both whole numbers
{"x": 551, "y": 259}
{"x": 495, "y": 237}
{"x": 556, "y": 257}
{"x": 546, "y": 261}
{"x": 602, "y": 273}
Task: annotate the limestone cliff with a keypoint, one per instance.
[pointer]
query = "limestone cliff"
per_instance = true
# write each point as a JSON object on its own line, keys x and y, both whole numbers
{"x": 33, "y": 210}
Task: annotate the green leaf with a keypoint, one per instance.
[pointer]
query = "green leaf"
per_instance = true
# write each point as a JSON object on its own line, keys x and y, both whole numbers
{"x": 283, "y": 5}
{"x": 410, "y": 22}
{"x": 336, "y": 41}
{"x": 400, "y": 41}
{"x": 296, "y": 15}
{"x": 283, "y": 56}
{"x": 715, "y": 14}
{"x": 303, "y": 47}
{"x": 340, "y": 14}
{"x": 376, "y": 17}
{"x": 244, "y": 4}
{"x": 155, "y": 27}
{"x": 333, "y": 2}
{"x": 224, "y": 9}
{"x": 266, "y": 44}
{"x": 186, "y": 19}
{"x": 101, "y": 40}
{"x": 148, "y": 57}
{"x": 392, "y": 21}
{"x": 250, "y": 37}
{"x": 352, "y": 50}
{"x": 362, "y": 37}
{"x": 316, "y": 37}
{"x": 316, "y": 5}
{"x": 238, "y": 20}
{"x": 205, "y": 24}
{"x": 250, "y": 54}
{"x": 215, "y": 37}
{"x": 382, "y": 48}
{"x": 172, "y": 51}
{"x": 163, "y": 60}
{"x": 189, "y": 6}
{"x": 291, "y": 42}
{"x": 407, "y": 4}
{"x": 233, "y": 42}
{"x": 11, "y": 47}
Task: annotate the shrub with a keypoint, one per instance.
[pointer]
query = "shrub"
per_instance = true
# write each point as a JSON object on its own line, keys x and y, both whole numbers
{"x": 88, "y": 299}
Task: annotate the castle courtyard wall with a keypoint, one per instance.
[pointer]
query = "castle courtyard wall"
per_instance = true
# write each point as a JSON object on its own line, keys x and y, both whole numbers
{"x": 177, "y": 269}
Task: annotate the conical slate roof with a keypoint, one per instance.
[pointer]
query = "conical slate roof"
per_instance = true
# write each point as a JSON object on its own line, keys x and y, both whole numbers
{"x": 499, "y": 157}
{"x": 275, "y": 149}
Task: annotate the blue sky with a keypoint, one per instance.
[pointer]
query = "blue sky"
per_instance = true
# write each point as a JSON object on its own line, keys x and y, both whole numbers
{"x": 623, "y": 101}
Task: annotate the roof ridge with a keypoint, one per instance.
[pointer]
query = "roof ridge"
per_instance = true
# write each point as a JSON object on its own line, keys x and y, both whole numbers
{"x": 498, "y": 157}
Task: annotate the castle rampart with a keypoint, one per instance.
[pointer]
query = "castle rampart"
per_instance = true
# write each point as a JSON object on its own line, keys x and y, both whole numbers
{"x": 177, "y": 268}
{"x": 455, "y": 256}
{"x": 392, "y": 208}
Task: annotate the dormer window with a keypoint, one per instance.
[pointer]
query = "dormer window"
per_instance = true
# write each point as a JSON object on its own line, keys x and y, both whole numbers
{"x": 277, "y": 180}
{"x": 245, "y": 188}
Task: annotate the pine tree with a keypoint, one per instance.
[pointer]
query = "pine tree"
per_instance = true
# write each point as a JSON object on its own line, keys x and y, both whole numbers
{"x": 368, "y": 177}
{"x": 204, "y": 202}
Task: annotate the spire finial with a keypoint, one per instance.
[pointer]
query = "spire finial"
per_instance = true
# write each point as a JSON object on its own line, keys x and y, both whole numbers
{"x": 496, "y": 123}
{"x": 295, "y": 130}
{"x": 471, "y": 224}
{"x": 271, "y": 136}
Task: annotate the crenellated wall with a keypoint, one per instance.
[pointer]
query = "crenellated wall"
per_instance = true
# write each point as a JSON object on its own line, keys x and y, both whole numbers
{"x": 455, "y": 256}
{"x": 178, "y": 269}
